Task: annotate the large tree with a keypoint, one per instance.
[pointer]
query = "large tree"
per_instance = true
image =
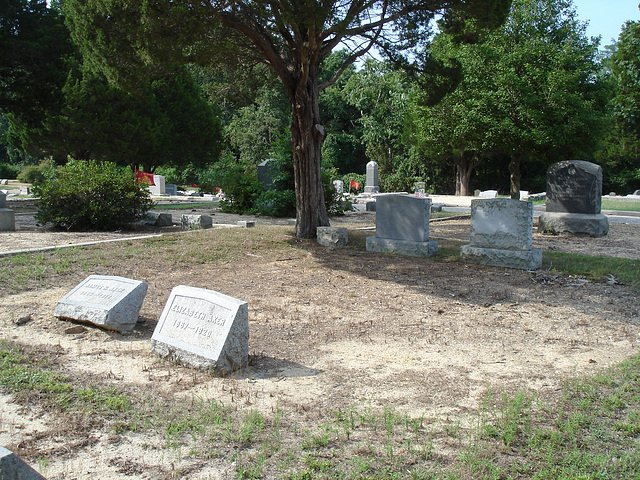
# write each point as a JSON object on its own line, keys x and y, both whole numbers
{"x": 530, "y": 90}
{"x": 621, "y": 152}
{"x": 290, "y": 36}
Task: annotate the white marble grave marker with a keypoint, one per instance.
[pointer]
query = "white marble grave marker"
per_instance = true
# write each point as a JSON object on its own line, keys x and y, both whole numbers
{"x": 107, "y": 301}
{"x": 203, "y": 329}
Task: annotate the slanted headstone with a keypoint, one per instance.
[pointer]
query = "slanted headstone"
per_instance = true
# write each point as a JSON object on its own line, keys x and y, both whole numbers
{"x": 25, "y": 190}
{"x": 488, "y": 194}
{"x": 371, "y": 185}
{"x": 332, "y": 236}
{"x": 203, "y": 329}
{"x": 502, "y": 234}
{"x": 246, "y": 223}
{"x": 159, "y": 187}
{"x": 266, "y": 171}
{"x": 4, "y": 181}
{"x": 13, "y": 467}
{"x": 637, "y": 193}
{"x": 574, "y": 199}
{"x": 107, "y": 301}
{"x": 196, "y": 222}
{"x": 7, "y": 216}
{"x": 402, "y": 226}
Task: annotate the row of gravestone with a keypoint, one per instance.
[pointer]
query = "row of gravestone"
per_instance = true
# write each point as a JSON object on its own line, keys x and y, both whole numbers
{"x": 198, "y": 327}
{"x": 501, "y": 228}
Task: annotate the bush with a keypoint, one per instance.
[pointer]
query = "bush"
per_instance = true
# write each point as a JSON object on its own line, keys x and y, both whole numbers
{"x": 8, "y": 171}
{"x": 86, "y": 195}
{"x": 35, "y": 174}
{"x": 238, "y": 180}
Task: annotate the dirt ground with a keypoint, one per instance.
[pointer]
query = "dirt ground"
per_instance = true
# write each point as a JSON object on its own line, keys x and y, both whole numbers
{"x": 329, "y": 329}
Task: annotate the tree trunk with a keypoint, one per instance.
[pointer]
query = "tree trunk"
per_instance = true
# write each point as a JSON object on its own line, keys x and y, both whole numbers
{"x": 464, "y": 169}
{"x": 514, "y": 171}
{"x": 307, "y": 135}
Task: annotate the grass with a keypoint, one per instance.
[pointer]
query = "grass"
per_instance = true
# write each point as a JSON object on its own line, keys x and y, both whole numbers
{"x": 596, "y": 268}
{"x": 625, "y": 205}
{"x": 589, "y": 430}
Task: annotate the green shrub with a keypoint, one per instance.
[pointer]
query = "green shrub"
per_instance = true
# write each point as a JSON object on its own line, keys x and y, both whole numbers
{"x": 277, "y": 203}
{"x": 239, "y": 182}
{"x": 85, "y": 195}
{"x": 360, "y": 179}
{"x": 35, "y": 174}
{"x": 8, "y": 171}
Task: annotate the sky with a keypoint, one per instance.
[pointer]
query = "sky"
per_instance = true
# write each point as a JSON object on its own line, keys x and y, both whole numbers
{"x": 606, "y": 17}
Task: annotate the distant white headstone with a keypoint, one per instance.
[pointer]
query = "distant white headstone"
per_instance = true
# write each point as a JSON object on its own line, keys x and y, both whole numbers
{"x": 203, "y": 329}
{"x": 488, "y": 194}
{"x": 159, "y": 187}
{"x": 107, "y": 301}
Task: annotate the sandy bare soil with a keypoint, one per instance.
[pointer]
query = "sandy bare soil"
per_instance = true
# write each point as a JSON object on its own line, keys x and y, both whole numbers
{"x": 330, "y": 329}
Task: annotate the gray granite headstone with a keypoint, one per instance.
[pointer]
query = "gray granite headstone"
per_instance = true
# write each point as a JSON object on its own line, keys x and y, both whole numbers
{"x": 266, "y": 171}
{"x": 196, "y": 222}
{"x": 574, "y": 199}
{"x": 171, "y": 189}
{"x": 332, "y": 236}
{"x": 574, "y": 186}
{"x": 502, "y": 234}
{"x": 13, "y": 467}
{"x": 402, "y": 226}
{"x": 203, "y": 329}
{"x": 7, "y": 216}
{"x": 107, "y": 301}
{"x": 371, "y": 185}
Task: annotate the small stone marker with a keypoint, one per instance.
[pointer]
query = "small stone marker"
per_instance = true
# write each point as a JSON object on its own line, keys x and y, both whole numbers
{"x": 246, "y": 223}
{"x": 196, "y": 222}
{"x": 332, "y": 236}
{"x": 402, "y": 226}
{"x": 339, "y": 186}
{"x": 159, "y": 219}
{"x": 574, "y": 199}
{"x": 24, "y": 190}
{"x": 488, "y": 194}
{"x": 203, "y": 329}
{"x": 371, "y": 185}
{"x": 502, "y": 234}
{"x": 13, "y": 467}
{"x": 107, "y": 301}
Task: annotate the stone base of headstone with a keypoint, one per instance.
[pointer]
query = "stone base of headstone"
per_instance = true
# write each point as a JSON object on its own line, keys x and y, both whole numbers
{"x": 593, "y": 225}
{"x": 196, "y": 222}
{"x": 246, "y": 223}
{"x": 402, "y": 247}
{"x": 106, "y": 301}
{"x": 158, "y": 219}
{"x": 332, "y": 236}
{"x": 7, "y": 220}
{"x": 522, "y": 259}
{"x": 203, "y": 329}
{"x": 13, "y": 467}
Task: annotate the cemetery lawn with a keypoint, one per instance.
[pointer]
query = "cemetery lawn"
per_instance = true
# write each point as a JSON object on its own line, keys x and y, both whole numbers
{"x": 362, "y": 365}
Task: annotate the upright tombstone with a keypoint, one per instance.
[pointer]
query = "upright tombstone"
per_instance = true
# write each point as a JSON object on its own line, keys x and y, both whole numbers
{"x": 203, "y": 329}
{"x": 402, "y": 226}
{"x": 7, "y": 216}
{"x": 371, "y": 185}
{"x": 339, "y": 186}
{"x": 266, "y": 171}
{"x": 107, "y": 301}
{"x": 159, "y": 187}
{"x": 13, "y": 467}
{"x": 502, "y": 234}
{"x": 574, "y": 199}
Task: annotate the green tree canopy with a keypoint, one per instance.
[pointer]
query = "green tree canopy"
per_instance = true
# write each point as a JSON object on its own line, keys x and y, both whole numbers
{"x": 291, "y": 37}
{"x": 530, "y": 90}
